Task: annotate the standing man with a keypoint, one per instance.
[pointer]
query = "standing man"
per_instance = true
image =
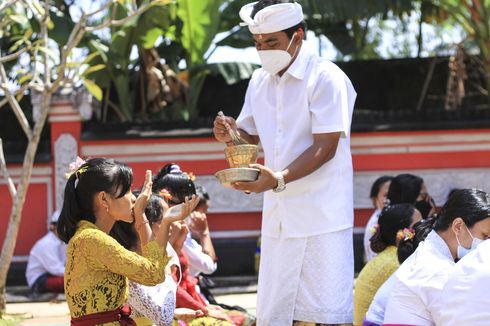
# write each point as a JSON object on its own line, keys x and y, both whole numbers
{"x": 299, "y": 107}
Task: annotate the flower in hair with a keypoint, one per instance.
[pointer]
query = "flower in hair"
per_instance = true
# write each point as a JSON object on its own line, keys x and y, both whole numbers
{"x": 191, "y": 176}
{"x": 165, "y": 194}
{"x": 75, "y": 168}
{"x": 405, "y": 234}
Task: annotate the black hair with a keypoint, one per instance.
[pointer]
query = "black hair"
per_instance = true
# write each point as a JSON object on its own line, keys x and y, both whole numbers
{"x": 392, "y": 219}
{"x": 95, "y": 175}
{"x": 177, "y": 183}
{"x": 378, "y": 183}
{"x": 472, "y": 205}
{"x": 261, "y": 4}
{"x": 202, "y": 194}
{"x": 404, "y": 188}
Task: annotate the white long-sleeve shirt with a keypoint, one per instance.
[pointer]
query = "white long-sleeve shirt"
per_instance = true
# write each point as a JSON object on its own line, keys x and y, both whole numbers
{"x": 47, "y": 256}
{"x": 464, "y": 299}
{"x": 419, "y": 283}
{"x": 199, "y": 262}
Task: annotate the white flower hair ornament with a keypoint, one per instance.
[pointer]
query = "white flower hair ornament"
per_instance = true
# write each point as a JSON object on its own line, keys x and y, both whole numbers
{"x": 75, "y": 168}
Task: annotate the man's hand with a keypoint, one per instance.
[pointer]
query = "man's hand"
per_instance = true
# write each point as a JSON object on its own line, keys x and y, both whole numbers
{"x": 220, "y": 131}
{"x": 266, "y": 181}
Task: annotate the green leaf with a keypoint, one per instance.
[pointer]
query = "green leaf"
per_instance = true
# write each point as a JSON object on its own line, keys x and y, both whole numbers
{"x": 93, "y": 69}
{"x": 19, "y": 19}
{"x": 92, "y": 87}
{"x": 90, "y": 57}
{"x": 200, "y": 25}
{"x": 25, "y": 78}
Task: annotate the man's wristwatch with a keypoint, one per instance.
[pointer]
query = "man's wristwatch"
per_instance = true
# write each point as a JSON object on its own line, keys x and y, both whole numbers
{"x": 281, "y": 185}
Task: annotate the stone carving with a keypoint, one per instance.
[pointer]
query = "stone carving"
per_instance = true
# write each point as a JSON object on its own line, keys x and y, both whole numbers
{"x": 65, "y": 152}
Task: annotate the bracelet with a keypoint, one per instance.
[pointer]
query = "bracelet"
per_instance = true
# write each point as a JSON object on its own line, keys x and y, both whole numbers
{"x": 142, "y": 223}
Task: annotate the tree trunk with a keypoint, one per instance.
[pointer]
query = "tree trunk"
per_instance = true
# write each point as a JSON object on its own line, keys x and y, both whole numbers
{"x": 18, "y": 201}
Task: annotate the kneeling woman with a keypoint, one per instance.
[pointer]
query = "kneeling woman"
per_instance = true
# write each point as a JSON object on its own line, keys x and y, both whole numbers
{"x": 395, "y": 222}
{"x": 98, "y": 194}
{"x": 463, "y": 221}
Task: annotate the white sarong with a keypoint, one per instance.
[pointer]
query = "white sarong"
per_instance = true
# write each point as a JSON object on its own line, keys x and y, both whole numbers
{"x": 306, "y": 279}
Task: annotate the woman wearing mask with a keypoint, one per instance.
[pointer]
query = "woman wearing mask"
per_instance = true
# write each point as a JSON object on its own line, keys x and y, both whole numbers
{"x": 411, "y": 189}
{"x": 462, "y": 223}
{"x": 465, "y": 295}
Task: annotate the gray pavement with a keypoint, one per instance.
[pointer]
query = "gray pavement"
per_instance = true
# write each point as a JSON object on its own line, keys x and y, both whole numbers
{"x": 56, "y": 313}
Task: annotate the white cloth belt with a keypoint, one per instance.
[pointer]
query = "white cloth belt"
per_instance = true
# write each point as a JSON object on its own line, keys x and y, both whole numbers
{"x": 271, "y": 19}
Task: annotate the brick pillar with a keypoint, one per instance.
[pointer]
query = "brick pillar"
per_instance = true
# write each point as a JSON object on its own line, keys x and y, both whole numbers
{"x": 66, "y": 125}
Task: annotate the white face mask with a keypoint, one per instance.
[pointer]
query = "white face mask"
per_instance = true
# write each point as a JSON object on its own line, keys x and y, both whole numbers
{"x": 274, "y": 61}
{"x": 462, "y": 251}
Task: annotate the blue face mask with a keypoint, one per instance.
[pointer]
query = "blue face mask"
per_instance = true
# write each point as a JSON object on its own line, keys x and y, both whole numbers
{"x": 462, "y": 251}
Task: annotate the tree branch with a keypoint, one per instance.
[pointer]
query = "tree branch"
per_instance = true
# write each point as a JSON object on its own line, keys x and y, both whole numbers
{"x": 122, "y": 21}
{"x": 14, "y": 55}
{"x": 14, "y": 104}
{"x": 3, "y": 167}
{"x": 7, "y": 4}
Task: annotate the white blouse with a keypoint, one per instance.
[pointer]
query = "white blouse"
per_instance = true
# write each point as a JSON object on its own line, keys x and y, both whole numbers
{"x": 156, "y": 303}
{"x": 373, "y": 220}
{"x": 419, "y": 282}
{"x": 465, "y": 296}
{"x": 376, "y": 311}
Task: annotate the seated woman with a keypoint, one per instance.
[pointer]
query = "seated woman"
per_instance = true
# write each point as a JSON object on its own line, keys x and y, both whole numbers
{"x": 378, "y": 193}
{"x": 465, "y": 295}
{"x": 376, "y": 312}
{"x": 462, "y": 222}
{"x": 175, "y": 185}
{"x": 97, "y": 194}
{"x": 395, "y": 222}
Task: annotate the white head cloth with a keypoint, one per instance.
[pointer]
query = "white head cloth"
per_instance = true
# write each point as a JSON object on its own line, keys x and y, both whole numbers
{"x": 271, "y": 19}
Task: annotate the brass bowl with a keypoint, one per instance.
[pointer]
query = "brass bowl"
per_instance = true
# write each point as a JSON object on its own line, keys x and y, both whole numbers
{"x": 228, "y": 176}
{"x": 240, "y": 156}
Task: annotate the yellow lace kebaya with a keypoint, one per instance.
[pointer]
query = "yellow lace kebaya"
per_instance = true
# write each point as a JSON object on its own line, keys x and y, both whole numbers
{"x": 97, "y": 269}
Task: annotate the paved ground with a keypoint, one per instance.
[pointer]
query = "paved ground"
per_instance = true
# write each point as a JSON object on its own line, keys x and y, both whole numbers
{"x": 55, "y": 313}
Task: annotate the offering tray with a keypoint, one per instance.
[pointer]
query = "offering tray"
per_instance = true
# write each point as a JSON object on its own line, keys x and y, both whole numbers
{"x": 227, "y": 176}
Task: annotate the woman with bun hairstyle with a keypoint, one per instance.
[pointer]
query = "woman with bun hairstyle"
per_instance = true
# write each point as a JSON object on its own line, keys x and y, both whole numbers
{"x": 462, "y": 223}
{"x": 97, "y": 194}
{"x": 394, "y": 224}
{"x": 376, "y": 312}
{"x": 175, "y": 185}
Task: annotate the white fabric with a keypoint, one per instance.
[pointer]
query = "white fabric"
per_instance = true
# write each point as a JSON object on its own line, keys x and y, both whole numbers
{"x": 199, "y": 262}
{"x": 271, "y": 19}
{"x": 48, "y": 255}
{"x": 376, "y": 311}
{"x": 156, "y": 303}
{"x": 464, "y": 298}
{"x": 307, "y": 279}
{"x": 312, "y": 97}
{"x": 419, "y": 283}
{"x": 373, "y": 220}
